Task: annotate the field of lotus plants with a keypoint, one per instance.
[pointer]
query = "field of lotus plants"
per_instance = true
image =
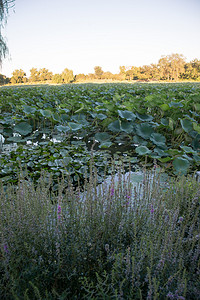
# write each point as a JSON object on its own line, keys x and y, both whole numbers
{"x": 59, "y": 129}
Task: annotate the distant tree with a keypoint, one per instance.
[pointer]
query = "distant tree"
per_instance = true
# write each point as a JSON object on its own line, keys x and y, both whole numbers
{"x": 107, "y": 75}
{"x": 67, "y": 75}
{"x": 35, "y": 76}
{"x": 171, "y": 66}
{"x": 45, "y": 74}
{"x": 57, "y": 78}
{"x": 5, "y": 5}
{"x": 164, "y": 67}
{"x": 4, "y": 79}
{"x": 80, "y": 77}
{"x": 90, "y": 76}
{"x": 196, "y": 68}
{"x": 122, "y": 72}
{"x": 18, "y": 76}
{"x": 98, "y": 72}
{"x": 177, "y": 62}
{"x": 132, "y": 73}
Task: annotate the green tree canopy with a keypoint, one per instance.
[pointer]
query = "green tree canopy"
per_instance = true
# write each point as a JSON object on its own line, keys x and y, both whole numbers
{"x": 67, "y": 75}
{"x": 45, "y": 74}
{"x": 18, "y": 76}
{"x": 34, "y": 75}
{"x": 98, "y": 72}
{"x": 57, "y": 78}
{"x": 5, "y": 5}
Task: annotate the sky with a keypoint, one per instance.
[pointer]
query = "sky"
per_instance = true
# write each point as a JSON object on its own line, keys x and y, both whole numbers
{"x": 82, "y": 34}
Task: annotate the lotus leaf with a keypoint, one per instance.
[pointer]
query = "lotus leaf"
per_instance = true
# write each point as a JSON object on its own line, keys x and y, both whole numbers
{"x": 158, "y": 139}
{"x": 144, "y": 117}
{"x": 175, "y": 104}
{"x": 142, "y": 150}
{"x": 128, "y": 115}
{"x": 126, "y": 126}
{"x": 102, "y": 136}
{"x": 29, "y": 109}
{"x": 181, "y": 165}
{"x": 23, "y": 128}
{"x": 80, "y": 118}
{"x": 196, "y": 127}
{"x": 105, "y": 144}
{"x": 187, "y": 149}
{"x": 138, "y": 140}
{"x": 164, "y": 122}
{"x": 62, "y": 128}
{"x": 46, "y": 113}
{"x": 114, "y": 126}
{"x": 56, "y": 117}
{"x": 74, "y": 126}
{"x": 144, "y": 130}
{"x": 186, "y": 125}
{"x": 164, "y": 107}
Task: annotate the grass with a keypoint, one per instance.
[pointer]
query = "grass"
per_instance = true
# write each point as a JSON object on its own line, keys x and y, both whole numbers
{"x": 111, "y": 241}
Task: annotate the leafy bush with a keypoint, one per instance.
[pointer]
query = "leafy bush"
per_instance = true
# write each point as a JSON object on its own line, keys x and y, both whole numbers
{"x": 111, "y": 241}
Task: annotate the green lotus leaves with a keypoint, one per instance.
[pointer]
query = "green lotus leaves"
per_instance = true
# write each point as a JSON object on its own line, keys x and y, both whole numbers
{"x": 138, "y": 140}
{"x": 15, "y": 139}
{"x": 176, "y": 104}
{"x": 56, "y": 117}
{"x": 114, "y": 126}
{"x": 23, "y": 128}
{"x": 102, "y": 136}
{"x": 99, "y": 116}
{"x": 181, "y": 165}
{"x": 144, "y": 117}
{"x": 80, "y": 118}
{"x": 126, "y": 126}
{"x": 29, "y": 109}
{"x": 142, "y": 150}
{"x": 64, "y": 117}
{"x": 160, "y": 152}
{"x": 186, "y": 125}
{"x": 144, "y": 130}
{"x": 7, "y": 132}
{"x": 196, "y": 127}
{"x": 158, "y": 139}
{"x": 197, "y": 106}
{"x": 62, "y": 128}
{"x": 126, "y": 114}
{"x": 164, "y": 122}
{"x": 187, "y": 149}
{"x": 74, "y": 126}
{"x": 105, "y": 144}
{"x": 67, "y": 160}
{"x": 164, "y": 107}
{"x": 46, "y": 113}
{"x": 104, "y": 139}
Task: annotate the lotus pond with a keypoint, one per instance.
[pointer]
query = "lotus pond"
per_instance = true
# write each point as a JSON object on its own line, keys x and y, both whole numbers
{"x": 59, "y": 128}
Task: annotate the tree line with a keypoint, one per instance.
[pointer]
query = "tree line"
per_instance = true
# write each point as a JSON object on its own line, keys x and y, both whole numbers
{"x": 169, "y": 68}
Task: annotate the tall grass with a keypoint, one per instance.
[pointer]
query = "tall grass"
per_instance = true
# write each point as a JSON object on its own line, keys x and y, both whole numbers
{"x": 111, "y": 241}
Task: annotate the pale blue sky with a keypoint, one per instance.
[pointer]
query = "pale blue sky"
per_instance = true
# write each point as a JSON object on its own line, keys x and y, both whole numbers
{"x": 109, "y": 33}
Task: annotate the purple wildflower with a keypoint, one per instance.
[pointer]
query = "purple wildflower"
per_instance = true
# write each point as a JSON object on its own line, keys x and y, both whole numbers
{"x": 59, "y": 211}
{"x": 180, "y": 220}
{"x": 152, "y": 209}
{"x": 5, "y": 247}
{"x": 112, "y": 191}
{"x": 170, "y": 295}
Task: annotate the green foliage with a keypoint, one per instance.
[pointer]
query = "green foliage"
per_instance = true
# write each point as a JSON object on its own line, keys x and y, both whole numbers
{"x": 134, "y": 237}
{"x": 18, "y": 76}
{"x": 67, "y": 75}
{"x": 120, "y": 117}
